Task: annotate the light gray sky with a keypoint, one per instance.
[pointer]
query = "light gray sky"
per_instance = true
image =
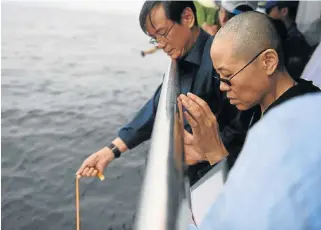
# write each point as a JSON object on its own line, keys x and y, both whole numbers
{"x": 126, "y": 6}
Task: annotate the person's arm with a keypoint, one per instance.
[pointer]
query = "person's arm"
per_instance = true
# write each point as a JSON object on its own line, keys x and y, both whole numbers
{"x": 140, "y": 128}
{"x": 131, "y": 135}
{"x": 210, "y": 29}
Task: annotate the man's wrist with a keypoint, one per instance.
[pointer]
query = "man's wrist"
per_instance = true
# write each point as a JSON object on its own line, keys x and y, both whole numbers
{"x": 106, "y": 151}
{"x": 115, "y": 150}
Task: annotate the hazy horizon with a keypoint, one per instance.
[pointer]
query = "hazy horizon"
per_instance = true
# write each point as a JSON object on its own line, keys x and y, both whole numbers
{"x": 117, "y": 6}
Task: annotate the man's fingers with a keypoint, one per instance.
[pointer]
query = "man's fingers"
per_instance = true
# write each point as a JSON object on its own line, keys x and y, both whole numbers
{"x": 81, "y": 170}
{"x": 90, "y": 171}
{"x": 94, "y": 173}
{"x": 203, "y": 105}
{"x": 84, "y": 173}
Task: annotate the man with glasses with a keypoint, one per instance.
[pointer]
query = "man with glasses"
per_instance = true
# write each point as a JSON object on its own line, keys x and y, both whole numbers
{"x": 247, "y": 54}
{"x": 172, "y": 26}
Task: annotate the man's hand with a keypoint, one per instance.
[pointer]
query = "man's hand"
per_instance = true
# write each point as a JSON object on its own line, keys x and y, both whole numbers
{"x": 98, "y": 161}
{"x": 205, "y": 143}
{"x": 95, "y": 163}
{"x": 212, "y": 30}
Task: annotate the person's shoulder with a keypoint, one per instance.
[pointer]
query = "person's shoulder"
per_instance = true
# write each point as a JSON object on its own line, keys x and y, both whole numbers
{"x": 284, "y": 140}
{"x": 304, "y": 102}
{"x": 285, "y": 124}
{"x": 299, "y": 117}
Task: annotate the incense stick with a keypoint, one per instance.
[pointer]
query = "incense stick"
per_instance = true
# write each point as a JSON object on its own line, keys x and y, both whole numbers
{"x": 77, "y": 205}
{"x": 101, "y": 177}
{"x": 149, "y": 51}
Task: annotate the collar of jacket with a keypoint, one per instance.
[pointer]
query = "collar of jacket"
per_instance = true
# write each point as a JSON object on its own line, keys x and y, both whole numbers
{"x": 195, "y": 54}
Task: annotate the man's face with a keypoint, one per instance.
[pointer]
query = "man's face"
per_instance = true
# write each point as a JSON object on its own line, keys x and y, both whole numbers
{"x": 175, "y": 39}
{"x": 275, "y": 12}
{"x": 250, "y": 85}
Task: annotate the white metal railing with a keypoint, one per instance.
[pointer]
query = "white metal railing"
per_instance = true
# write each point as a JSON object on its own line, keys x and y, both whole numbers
{"x": 165, "y": 197}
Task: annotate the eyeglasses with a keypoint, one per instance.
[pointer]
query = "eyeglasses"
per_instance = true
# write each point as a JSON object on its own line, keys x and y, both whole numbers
{"x": 154, "y": 41}
{"x": 228, "y": 80}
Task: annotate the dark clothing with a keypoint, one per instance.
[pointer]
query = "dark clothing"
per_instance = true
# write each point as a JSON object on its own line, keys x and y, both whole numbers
{"x": 297, "y": 52}
{"x": 195, "y": 72}
{"x": 302, "y": 87}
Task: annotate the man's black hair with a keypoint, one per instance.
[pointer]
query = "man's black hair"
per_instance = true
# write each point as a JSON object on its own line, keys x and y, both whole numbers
{"x": 292, "y": 8}
{"x": 173, "y": 10}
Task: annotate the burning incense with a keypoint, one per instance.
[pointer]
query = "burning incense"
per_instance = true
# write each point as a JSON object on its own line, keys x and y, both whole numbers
{"x": 149, "y": 51}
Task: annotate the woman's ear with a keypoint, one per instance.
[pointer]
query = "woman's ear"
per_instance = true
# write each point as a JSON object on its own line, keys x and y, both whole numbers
{"x": 270, "y": 61}
{"x": 188, "y": 18}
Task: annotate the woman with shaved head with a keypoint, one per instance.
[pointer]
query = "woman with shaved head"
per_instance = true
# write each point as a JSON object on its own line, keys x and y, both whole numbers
{"x": 275, "y": 183}
{"x": 247, "y": 54}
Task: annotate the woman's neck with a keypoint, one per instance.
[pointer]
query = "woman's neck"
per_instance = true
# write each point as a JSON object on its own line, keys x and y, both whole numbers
{"x": 280, "y": 84}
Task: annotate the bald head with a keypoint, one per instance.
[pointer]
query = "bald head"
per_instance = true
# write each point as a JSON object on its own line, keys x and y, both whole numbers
{"x": 249, "y": 33}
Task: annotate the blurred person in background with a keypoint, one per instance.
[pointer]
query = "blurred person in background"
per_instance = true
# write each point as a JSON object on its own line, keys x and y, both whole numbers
{"x": 207, "y": 16}
{"x": 229, "y": 9}
{"x": 312, "y": 69}
{"x": 297, "y": 50}
{"x": 313, "y": 33}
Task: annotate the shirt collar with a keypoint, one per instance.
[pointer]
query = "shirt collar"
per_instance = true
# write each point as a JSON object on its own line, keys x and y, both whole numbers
{"x": 195, "y": 54}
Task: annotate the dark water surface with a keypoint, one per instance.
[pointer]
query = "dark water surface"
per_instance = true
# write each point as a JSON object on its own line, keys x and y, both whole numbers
{"x": 69, "y": 80}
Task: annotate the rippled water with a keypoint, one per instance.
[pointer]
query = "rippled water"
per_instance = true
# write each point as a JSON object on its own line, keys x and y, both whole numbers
{"x": 69, "y": 80}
